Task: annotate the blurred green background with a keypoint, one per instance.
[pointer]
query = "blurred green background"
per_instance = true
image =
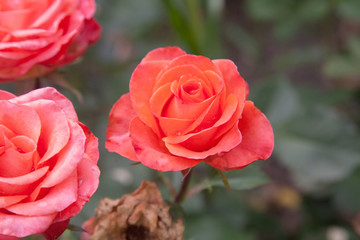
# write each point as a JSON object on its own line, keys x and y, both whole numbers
{"x": 301, "y": 59}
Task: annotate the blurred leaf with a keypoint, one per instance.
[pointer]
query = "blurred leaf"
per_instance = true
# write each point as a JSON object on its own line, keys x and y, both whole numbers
{"x": 268, "y": 10}
{"x": 349, "y": 9}
{"x": 242, "y": 40}
{"x": 311, "y": 10}
{"x": 215, "y": 7}
{"x": 341, "y": 66}
{"x": 315, "y": 142}
{"x": 347, "y": 195}
{"x": 211, "y": 227}
{"x": 292, "y": 59}
{"x": 286, "y": 28}
{"x": 354, "y": 46}
{"x": 247, "y": 178}
{"x": 284, "y": 104}
{"x": 315, "y": 164}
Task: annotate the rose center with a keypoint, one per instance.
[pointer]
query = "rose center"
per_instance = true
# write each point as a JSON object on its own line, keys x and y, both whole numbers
{"x": 192, "y": 88}
{"x": 16, "y": 155}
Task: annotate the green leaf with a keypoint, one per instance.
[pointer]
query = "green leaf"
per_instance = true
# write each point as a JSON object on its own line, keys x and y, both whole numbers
{"x": 247, "y": 178}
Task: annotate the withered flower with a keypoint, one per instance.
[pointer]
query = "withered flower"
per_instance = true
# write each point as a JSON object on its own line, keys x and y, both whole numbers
{"x": 141, "y": 215}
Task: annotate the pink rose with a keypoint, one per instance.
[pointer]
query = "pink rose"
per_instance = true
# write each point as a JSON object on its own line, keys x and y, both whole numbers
{"x": 48, "y": 164}
{"x": 36, "y": 36}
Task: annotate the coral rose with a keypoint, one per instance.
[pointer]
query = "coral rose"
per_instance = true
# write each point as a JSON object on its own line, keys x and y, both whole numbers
{"x": 183, "y": 109}
{"x": 36, "y": 36}
{"x": 48, "y": 164}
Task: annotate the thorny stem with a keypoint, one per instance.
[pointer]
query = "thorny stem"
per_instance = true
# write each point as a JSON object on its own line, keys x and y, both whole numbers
{"x": 184, "y": 187}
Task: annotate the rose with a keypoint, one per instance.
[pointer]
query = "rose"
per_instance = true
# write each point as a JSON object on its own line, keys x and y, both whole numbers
{"x": 36, "y": 36}
{"x": 183, "y": 109}
{"x": 47, "y": 164}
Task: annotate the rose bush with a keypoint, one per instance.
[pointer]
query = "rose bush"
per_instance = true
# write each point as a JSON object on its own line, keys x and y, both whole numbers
{"x": 36, "y": 36}
{"x": 48, "y": 164}
{"x": 183, "y": 109}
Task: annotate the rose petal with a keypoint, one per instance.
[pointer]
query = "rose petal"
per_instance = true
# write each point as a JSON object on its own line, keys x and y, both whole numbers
{"x": 234, "y": 83}
{"x": 49, "y": 93}
{"x": 208, "y": 125}
{"x": 15, "y": 19}
{"x": 4, "y": 95}
{"x": 17, "y": 159}
{"x": 21, "y": 120}
{"x": 57, "y": 199}
{"x": 87, "y": 7}
{"x": 141, "y": 89}
{"x": 56, "y": 229}
{"x": 257, "y": 142}
{"x": 55, "y": 131}
{"x": 230, "y": 140}
{"x": 68, "y": 158}
{"x": 165, "y": 104}
{"x": 52, "y": 11}
{"x": 117, "y": 133}
{"x": 22, "y": 226}
{"x": 17, "y": 185}
{"x": 88, "y": 177}
{"x": 6, "y": 201}
{"x": 168, "y": 75}
{"x": 163, "y": 54}
{"x": 88, "y": 34}
{"x": 151, "y": 152}
{"x": 176, "y": 108}
{"x": 200, "y": 62}
{"x": 173, "y": 126}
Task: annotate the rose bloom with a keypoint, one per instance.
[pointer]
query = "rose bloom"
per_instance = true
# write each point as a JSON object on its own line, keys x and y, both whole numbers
{"x": 48, "y": 164}
{"x": 36, "y": 36}
{"x": 183, "y": 109}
